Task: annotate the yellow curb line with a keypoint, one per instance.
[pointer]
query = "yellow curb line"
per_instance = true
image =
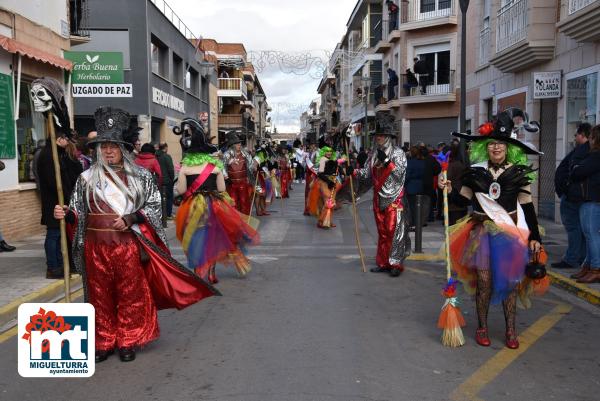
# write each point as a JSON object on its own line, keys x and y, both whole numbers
{"x": 10, "y": 309}
{"x": 580, "y": 290}
{"x": 8, "y": 334}
{"x": 469, "y": 389}
{"x": 427, "y": 257}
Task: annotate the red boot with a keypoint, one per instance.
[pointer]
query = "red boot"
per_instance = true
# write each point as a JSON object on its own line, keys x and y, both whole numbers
{"x": 511, "y": 339}
{"x": 212, "y": 275}
{"x": 481, "y": 337}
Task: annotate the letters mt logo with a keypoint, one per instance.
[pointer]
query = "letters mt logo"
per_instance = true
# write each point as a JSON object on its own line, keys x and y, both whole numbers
{"x": 56, "y": 340}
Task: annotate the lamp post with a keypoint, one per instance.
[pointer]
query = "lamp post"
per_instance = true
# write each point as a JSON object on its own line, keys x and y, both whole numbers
{"x": 260, "y": 98}
{"x": 366, "y": 80}
{"x": 464, "y": 6}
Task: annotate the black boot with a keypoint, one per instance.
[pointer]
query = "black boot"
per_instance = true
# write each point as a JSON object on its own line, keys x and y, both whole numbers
{"x": 126, "y": 354}
{"x": 102, "y": 356}
{"x": 4, "y": 247}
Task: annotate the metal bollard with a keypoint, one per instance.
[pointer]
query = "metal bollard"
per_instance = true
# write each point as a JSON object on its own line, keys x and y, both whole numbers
{"x": 418, "y": 224}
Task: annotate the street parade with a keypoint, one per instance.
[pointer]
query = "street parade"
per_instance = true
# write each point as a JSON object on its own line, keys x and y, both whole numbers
{"x": 409, "y": 210}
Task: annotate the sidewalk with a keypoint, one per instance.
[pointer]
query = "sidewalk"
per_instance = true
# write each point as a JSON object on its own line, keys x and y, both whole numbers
{"x": 23, "y": 278}
{"x": 555, "y": 243}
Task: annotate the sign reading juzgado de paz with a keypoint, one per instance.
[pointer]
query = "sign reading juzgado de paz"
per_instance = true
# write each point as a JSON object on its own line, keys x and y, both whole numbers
{"x": 98, "y": 74}
{"x": 546, "y": 85}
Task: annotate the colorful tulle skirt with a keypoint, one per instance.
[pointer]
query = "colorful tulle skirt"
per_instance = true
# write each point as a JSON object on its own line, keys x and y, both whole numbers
{"x": 212, "y": 231}
{"x": 476, "y": 245}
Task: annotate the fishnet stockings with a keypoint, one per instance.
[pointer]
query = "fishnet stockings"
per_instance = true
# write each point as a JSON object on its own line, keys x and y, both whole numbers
{"x": 483, "y": 296}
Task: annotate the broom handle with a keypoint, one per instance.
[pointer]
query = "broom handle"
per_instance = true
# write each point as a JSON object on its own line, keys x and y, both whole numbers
{"x": 253, "y": 193}
{"x": 61, "y": 201}
{"x": 446, "y": 224}
{"x": 355, "y": 214}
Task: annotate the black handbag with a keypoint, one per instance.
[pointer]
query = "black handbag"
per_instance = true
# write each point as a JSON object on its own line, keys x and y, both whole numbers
{"x": 535, "y": 270}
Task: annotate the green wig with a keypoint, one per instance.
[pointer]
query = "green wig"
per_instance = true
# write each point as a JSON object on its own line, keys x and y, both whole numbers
{"x": 514, "y": 154}
{"x": 322, "y": 151}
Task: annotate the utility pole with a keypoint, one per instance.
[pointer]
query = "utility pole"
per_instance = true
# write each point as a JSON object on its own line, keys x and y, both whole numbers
{"x": 464, "y": 6}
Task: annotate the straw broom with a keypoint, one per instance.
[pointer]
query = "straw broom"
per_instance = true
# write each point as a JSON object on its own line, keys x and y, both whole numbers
{"x": 451, "y": 319}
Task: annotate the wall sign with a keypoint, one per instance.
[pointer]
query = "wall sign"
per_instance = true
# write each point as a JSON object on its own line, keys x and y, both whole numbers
{"x": 96, "y": 67}
{"x": 102, "y": 90}
{"x": 167, "y": 100}
{"x": 7, "y": 121}
{"x": 546, "y": 85}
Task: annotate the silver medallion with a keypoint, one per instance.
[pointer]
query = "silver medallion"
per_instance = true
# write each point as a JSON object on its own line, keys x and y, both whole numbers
{"x": 494, "y": 190}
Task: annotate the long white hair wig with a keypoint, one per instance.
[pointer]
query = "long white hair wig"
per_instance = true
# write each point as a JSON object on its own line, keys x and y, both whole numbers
{"x": 100, "y": 172}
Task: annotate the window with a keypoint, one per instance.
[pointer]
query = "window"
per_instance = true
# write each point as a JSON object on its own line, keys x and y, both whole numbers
{"x": 191, "y": 81}
{"x": 177, "y": 73}
{"x": 159, "y": 54}
{"x": 436, "y": 7}
{"x": 582, "y": 103}
{"x": 437, "y": 65}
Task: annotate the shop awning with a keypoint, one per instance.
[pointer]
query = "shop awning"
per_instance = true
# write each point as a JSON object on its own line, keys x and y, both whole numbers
{"x": 16, "y": 47}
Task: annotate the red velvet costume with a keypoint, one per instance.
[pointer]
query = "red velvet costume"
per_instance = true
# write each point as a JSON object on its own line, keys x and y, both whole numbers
{"x": 238, "y": 187}
{"x": 286, "y": 176}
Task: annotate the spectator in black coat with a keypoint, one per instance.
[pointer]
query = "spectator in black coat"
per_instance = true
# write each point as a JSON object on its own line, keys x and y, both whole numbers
{"x": 362, "y": 157}
{"x": 432, "y": 169}
{"x": 586, "y": 175}
{"x": 571, "y": 196}
{"x": 392, "y": 84}
{"x": 168, "y": 171}
{"x": 415, "y": 168}
{"x": 70, "y": 168}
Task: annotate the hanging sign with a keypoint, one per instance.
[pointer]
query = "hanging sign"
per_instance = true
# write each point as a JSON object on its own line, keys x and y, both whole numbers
{"x": 546, "y": 85}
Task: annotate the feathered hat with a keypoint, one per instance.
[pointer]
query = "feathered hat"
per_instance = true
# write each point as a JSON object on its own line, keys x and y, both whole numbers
{"x": 384, "y": 124}
{"x": 232, "y": 139}
{"x": 502, "y": 128}
{"x": 113, "y": 125}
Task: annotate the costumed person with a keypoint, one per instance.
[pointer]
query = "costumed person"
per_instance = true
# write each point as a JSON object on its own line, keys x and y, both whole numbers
{"x": 386, "y": 169}
{"x": 48, "y": 95}
{"x": 285, "y": 175}
{"x": 262, "y": 184}
{"x": 210, "y": 228}
{"x": 238, "y": 173}
{"x": 489, "y": 250}
{"x": 323, "y": 194}
{"x": 310, "y": 159}
{"x": 120, "y": 247}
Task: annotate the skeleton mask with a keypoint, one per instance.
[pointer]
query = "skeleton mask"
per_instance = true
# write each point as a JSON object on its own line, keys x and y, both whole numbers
{"x": 42, "y": 101}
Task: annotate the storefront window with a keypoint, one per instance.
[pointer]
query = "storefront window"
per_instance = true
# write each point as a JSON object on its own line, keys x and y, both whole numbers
{"x": 31, "y": 132}
{"x": 582, "y": 104}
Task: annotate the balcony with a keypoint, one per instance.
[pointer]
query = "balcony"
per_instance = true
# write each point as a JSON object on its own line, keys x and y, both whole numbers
{"x": 418, "y": 14}
{"x": 581, "y": 23}
{"x": 232, "y": 87}
{"x": 485, "y": 42}
{"x": 426, "y": 88}
{"x": 79, "y": 13}
{"x": 524, "y": 38}
{"x": 383, "y": 45}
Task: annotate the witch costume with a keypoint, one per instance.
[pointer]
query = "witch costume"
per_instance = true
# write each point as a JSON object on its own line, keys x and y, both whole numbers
{"x": 489, "y": 249}
{"x": 210, "y": 228}
{"x": 385, "y": 170}
{"x": 322, "y": 199}
{"x": 127, "y": 274}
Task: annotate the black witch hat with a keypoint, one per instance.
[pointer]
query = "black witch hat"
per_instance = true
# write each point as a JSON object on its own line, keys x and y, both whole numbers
{"x": 503, "y": 129}
{"x": 193, "y": 137}
{"x": 384, "y": 124}
{"x": 113, "y": 125}
{"x": 232, "y": 139}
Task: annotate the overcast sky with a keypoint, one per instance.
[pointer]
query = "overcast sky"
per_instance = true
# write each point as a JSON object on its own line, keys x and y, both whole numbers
{"x": 291, "y": 26}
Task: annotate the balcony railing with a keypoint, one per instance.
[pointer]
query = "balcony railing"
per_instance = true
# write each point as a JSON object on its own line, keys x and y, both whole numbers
{"x": 484, "y": 46}
{"x": 79, "y": 13}
{"x": 512, "y": 24}
{"x": 230, "y": 87}
{"x": 168, "y": 12}
{"x": 576, "y": 5}
{"x": 424, "y": 10}
{"x": 439, "y": 83}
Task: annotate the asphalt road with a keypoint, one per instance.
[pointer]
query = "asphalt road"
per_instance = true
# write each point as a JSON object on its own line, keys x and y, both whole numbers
{"x": 307, "y": 325}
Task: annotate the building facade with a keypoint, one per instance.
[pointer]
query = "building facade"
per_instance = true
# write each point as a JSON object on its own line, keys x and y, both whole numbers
{"x": 165, "y": 72}
{"x": 543, "y": 57}
{"x": 33, "y": 39}
{"x": 242, "y": 103}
